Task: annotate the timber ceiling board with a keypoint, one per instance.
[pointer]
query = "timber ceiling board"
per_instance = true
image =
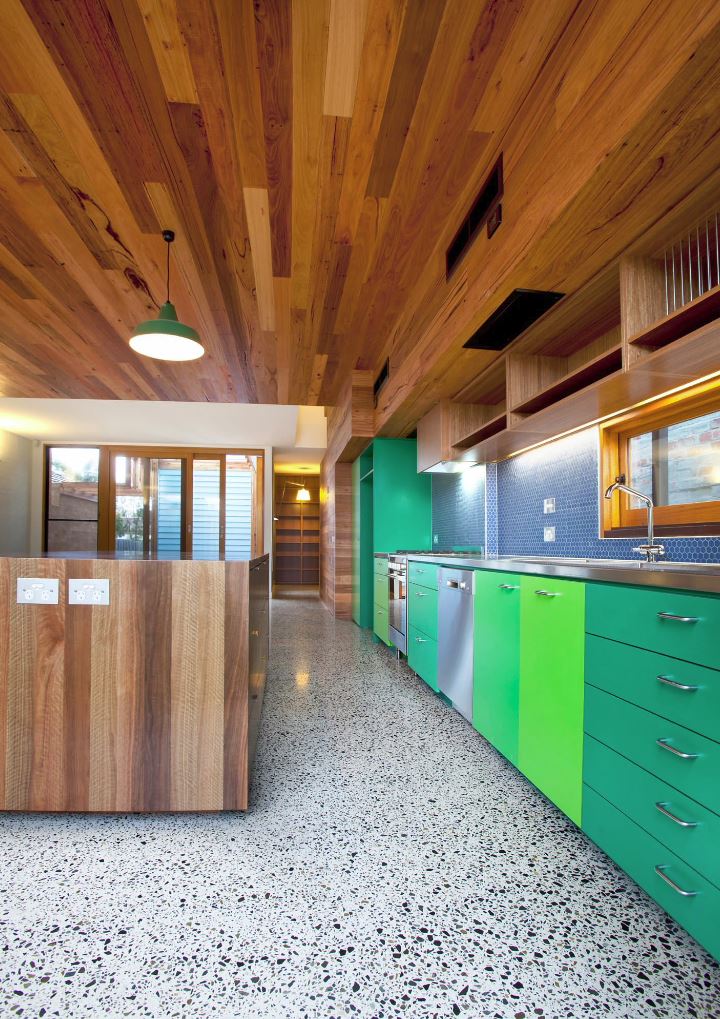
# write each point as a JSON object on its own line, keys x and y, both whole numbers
{"x": 314, "y": 158}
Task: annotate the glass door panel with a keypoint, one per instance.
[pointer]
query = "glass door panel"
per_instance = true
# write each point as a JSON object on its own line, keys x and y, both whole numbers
{"x": 240, "y": 482}
{"x": 207, "y": 532}
{"x": 72, "y": 499}
{"x": 147, "y": 506}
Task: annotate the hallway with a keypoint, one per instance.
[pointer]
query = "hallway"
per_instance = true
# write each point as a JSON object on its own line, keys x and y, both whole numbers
{"x": 392, "y": 864}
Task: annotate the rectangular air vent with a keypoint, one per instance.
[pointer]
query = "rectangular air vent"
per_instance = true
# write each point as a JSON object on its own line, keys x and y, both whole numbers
{"x": 483, "y": 209}
{"x": 381, "y": 379}
{"x": 515, "y": 314}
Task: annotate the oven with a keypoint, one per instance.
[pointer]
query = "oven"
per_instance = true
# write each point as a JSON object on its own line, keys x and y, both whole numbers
{"x": 397, "y": 601}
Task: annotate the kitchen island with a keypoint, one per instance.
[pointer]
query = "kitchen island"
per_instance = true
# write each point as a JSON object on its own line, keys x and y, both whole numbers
{"x": 149, "y": 703}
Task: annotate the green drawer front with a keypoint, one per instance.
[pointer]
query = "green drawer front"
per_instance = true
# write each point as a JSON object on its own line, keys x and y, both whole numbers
{"x": 694, "y": 835}
{"x": 424, "y": 574}
{"x": 646, "y": 678}
{"x": 496, "y": 681}
{"x": 380, "y": 622}
{"x": 639, "y": 854}
{"x": 631, "y": 615}
{"x": 422, "y": 610}
{"x": 381, "y": 590}
{"x": 381, "y": 566}
{"x": 634, "y": 733}
{"x": 423, "y": 656}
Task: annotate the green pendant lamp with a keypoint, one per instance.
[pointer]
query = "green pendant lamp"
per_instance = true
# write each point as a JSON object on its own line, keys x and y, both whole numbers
{"x": 164, "y": 338}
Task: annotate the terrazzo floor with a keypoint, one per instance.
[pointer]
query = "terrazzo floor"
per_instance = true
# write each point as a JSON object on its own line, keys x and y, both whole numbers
{"x": 392, "y": 865}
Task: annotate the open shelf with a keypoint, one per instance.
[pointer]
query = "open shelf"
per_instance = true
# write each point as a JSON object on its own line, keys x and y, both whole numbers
{"x": 484, "y": 431}
{"x": 698, "y": 312}
{"x": 597, "y": 368}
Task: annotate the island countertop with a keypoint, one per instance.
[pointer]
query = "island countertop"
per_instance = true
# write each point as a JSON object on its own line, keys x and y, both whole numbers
{"x": 149, "y": 703}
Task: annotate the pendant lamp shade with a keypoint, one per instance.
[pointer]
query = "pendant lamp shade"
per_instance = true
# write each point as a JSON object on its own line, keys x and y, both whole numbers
{"x": 165, "y": 338}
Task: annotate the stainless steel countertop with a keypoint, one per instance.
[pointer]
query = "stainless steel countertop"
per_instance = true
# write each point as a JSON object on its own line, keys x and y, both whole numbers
{"x": 677, "y": 576}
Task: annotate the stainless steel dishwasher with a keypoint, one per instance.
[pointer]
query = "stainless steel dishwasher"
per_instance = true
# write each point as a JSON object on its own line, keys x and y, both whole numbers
{"x": 455, "y": 637}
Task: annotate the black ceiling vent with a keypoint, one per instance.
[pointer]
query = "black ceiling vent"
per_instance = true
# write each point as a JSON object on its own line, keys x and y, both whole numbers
{"x": 515, "y": 314}
{"x": 381, "y": 379}
{"x": 485, "y": 209}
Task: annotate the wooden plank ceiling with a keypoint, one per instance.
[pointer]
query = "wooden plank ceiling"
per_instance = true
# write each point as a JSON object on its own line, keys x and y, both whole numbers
{"x": 314, "y": 158}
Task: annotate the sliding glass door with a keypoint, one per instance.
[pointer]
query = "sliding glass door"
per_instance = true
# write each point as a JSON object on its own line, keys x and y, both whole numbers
{"x": 164, "y": 503}
{"x": 147, "y": 502}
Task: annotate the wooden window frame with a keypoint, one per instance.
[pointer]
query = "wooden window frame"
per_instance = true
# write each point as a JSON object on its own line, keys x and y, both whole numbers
{"x": 187, "y": 454}
{"x": 618, "y": 519}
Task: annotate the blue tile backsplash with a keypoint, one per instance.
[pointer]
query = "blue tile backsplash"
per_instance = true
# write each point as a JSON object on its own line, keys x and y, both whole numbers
{"x": 513, "y": 521}
{"x": 458, "y": 509}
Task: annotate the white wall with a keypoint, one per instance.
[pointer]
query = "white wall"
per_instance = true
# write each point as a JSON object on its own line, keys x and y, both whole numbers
{"x": 15, "y": 493}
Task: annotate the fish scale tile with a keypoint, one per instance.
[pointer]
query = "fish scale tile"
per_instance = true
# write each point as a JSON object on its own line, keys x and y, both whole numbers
{"x": 392, "y": 864}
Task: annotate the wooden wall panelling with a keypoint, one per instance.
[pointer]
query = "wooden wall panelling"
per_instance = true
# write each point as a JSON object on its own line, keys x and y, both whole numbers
{"x": 236, "y": 689}
{"x": 141, "y": 705}
{"x": 639, "y": 178}
{"x": 336, "y": 537}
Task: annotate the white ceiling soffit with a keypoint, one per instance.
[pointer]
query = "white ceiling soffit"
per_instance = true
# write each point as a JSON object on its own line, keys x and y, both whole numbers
{"x": 148, "y": 422}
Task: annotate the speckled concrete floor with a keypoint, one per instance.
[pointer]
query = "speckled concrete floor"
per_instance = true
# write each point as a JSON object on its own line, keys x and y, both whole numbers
{"x": 392, "y": 864}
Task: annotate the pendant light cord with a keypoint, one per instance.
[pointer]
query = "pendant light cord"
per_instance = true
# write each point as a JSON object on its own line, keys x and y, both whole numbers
{"x": 168, "y": 272}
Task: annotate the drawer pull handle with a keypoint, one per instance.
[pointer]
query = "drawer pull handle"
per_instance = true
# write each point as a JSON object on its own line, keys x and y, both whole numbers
{"x": 509, "y": 587}
{"x": 548, "y": 594}
{"x": 421, "y": 640}
{"x": 678, "y": 619}
{"x": 674, "y": 750}
{"x": 660, "y": 871}
{"x": 420, "y": 594}
{"x": 662, "y": 807}
{"x": 677, "y": 686}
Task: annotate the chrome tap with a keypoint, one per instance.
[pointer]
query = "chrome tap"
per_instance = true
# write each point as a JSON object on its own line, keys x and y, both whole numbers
{"x": 650, "y": 549}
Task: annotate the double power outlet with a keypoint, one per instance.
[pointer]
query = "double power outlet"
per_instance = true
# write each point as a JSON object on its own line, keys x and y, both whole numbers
{"x": 46, "y": 591}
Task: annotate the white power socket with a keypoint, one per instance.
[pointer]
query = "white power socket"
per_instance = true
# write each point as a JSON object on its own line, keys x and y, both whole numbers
{"x": 548, "y": 534}
{"x": 37, "y": 591}
{"x": 88, "y": 592}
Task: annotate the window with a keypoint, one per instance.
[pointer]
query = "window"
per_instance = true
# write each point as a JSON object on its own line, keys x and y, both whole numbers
{"x": 160, "y": 502}
{"x": 671, "y": 453}
{"x": 73, "y": 476}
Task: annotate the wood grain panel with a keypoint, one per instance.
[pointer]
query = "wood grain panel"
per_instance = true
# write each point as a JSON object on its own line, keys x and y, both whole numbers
{"x": 347, "y": 29}
{"x": 273, "y": 32}
{"x": 235, "y": 685}
{"x": 258, "y": 218}
{"x": 197, "y": 686}
{"x": 141, "y": 705}
{"x": 420, "y": 27}
{"x": 170, "y": 49}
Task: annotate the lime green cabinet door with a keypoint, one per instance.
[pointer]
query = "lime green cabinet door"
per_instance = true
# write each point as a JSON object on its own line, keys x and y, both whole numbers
{"x": 496, "y": 684}
{"x": 552, "y": 643}
{"x": 380, "y": 622}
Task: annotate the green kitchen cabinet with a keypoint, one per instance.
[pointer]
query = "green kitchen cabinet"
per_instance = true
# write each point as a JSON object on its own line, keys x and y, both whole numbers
{"x": 496, "y": 685}
{"x": 423, "y": 656}
{"x": 362, "y": 519}
{"x": 681, "y": 624}
{"x": 391, "y": 510}
{"x": 552, "y": 645}
{"x": 422, "y": 609}
{"x": 380, "y": 623}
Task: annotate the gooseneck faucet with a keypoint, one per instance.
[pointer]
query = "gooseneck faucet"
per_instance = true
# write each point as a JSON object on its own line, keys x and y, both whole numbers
{"x": 650, "y": 549}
